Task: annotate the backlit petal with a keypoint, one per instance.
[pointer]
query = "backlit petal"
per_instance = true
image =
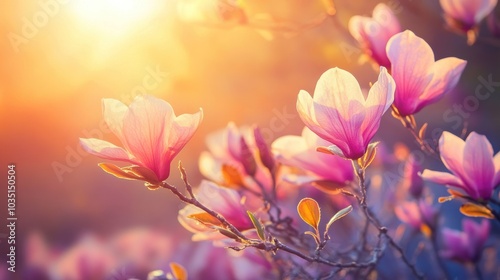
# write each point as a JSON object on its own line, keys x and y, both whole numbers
{"x": 106, "y": 150}
{"x": 478, "y": 164}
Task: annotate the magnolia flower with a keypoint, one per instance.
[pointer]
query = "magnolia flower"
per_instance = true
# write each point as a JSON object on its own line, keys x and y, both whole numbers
{"x": 419, "y": 215}
{"x": 234, "y": 155}
{"x": 373, "y": 33}
{"x": 151, "y": 135}
{"x": 419, "y": 79}
{"x": 204, "y": 261}
{"x": 340, "y": 114}
{"x": 475, "y": 170}
{"x": 466, "y": 245}
{"x": 225, "y": 201}
{"x": 465, "y": 15}
{"x": 300, "y": 151}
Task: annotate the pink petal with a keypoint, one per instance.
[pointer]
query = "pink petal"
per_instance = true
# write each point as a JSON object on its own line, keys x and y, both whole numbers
{"x": 496, "y": 161}
{"x": 306, "y": 111}
{"x": 484, "y": 7}
{"x": 144, "y": 130}
{"x": 181, "y": 131}
{"x": 460, "y": 10}
{"x": 380, "y": 98}
{"x": 384, "y": 15}
{"x": 447, "y": 72}
{"x": 451, "y": 149}
{"x": 335, "y": 87}
{"x": 106, "y": 150}
{"x": 233, "y": 141}
{"x": 114, "y": 113}
{"x": 442, "y": 178}
{"x": 478, "y": 164}
{"x": 411, "y": 59}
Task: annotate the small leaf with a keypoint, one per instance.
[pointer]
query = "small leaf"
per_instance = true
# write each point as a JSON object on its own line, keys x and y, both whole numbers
{"x": 118, "y": 172}
{"x": 258, "y": 226}
{"x": 331, "y": 150}
{"x": 338, "y": 215}
{"x": 475, "y": 210}
{"x": 227, "y": 233}
{"x": 309, "y": 211}
{"x": 327, "y": 186}
{"x": 421, "y": 132}
{"x": 178, "y": 271}
{"x": 369, "y": 156}
{"x": 314, "y": 235}
{"x": 205, "y": 219}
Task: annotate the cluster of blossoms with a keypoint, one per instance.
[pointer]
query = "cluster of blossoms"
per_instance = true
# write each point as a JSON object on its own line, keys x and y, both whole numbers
{"x": 255, "y": 194}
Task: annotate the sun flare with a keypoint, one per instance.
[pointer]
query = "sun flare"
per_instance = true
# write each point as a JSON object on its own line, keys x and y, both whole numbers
{"x": 119, "y": 15}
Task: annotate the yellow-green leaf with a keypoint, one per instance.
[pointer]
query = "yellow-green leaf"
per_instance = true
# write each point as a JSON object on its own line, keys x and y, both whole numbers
{"x": 227, "y": 233}
{"x": 309, "y": 211}
{"x": 258, "y": 226}
{"x": 338, "y": 215}
{"x": 178, "y": 271}
{"x": 205, "y": 219}
{"x": 475, "y": 210}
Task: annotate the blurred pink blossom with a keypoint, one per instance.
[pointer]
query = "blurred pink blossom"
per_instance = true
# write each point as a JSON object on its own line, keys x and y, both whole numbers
{"x": 300, "y": 151}
{"x": 465, "y": 15}
{"x": 224, "y": 201}
{"x": 465, "y": 245}
{"x": 151, "y": 135}
{"x": 240, "y": 148}
{"x": 420, "y": 80}
{"x": 204, "y": 261}
{"x": 340, "y": 113}
{"x": 89, "y": 259}
{"x": 416, "y": 214}
{"x": 373, "y": 33}
{"x": 475, "y": 170}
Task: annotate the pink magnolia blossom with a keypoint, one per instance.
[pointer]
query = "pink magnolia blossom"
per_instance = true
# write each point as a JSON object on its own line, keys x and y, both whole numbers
{"x": 241, "y": 149}
{"x": 224, "y": 201}
{"x": 340, "y": 113}
{"x": 373, "y": 33}
{"x": 465, "y": 245}
{"x": 475, "y": 170}
{"x": 151, "y": 134}
{"x": 204, "y": 261}
{"x": 420, "y": 80}
{"x": 416, "y": 214}
{"x": 300, "y": 151}
{"x": 465, "y": 15}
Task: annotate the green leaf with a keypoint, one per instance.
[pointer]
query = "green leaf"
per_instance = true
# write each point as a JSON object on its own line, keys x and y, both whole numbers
{"x": 258, "y": 226}
{"x": 338, "y": 215}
